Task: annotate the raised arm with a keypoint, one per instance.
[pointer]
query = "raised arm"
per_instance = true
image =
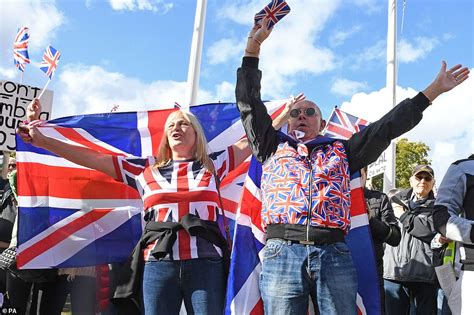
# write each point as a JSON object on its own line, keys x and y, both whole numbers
{"x": 366, "y": 146}
{"x": 79, "y": 155}
{"x": 257, "y": 123}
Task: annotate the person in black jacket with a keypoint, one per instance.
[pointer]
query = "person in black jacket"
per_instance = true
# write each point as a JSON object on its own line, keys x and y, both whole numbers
{"x": 383, "y": 226}
{"x": 305, "y": 188}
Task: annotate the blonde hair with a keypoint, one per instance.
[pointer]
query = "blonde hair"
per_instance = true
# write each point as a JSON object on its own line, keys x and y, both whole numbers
{"x": 164, "y": 154}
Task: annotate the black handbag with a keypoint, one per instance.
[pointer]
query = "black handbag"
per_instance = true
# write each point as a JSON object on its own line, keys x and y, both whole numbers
{"x": 8, "y": 262}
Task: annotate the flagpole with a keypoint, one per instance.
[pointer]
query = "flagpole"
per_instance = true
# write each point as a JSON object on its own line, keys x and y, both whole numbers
{"x": 196, "y": 53}
{"x": 44, "y": 89}
{"x": 391, "y": 84}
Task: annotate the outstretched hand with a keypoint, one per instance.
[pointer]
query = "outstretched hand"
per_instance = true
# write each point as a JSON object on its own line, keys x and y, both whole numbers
{"x": 449, "y": 79}
{"x": 446, "y": 80}
{"x": 258, "y": 34}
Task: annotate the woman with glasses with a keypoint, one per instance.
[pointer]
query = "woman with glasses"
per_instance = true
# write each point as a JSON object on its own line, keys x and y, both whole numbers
{"x": 408, "y": 268}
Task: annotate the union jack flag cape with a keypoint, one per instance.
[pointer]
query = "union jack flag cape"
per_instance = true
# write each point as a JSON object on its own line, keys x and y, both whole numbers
{"x": 73, "y": 216}
{"x": 275, "y": 11}
{"x": 20, "y": 49}
{"x": 243, "y": 295}
{"x": 50, "y": 61}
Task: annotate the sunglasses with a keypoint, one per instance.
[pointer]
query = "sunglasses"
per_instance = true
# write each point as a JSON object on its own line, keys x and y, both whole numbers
{"x": 426, "y": 178}
{"x": 308, "y": 112}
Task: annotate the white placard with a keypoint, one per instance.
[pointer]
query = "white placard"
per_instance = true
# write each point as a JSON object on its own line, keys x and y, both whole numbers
{"x": 378, "y": 167}
{"x": 14, "y": 98}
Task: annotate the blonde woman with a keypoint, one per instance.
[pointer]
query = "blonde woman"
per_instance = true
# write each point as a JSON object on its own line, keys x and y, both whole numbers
{"x": 181, "y": 251}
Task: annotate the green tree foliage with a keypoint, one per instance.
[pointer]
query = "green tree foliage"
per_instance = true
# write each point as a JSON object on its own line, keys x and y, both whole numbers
{"x": 409, "y": 154}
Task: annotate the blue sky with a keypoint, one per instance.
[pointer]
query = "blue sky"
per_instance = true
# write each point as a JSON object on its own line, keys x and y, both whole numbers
{"x": 135, "y": 53}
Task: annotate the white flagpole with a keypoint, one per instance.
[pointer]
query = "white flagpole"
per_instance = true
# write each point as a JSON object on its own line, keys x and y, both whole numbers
{"x": 196, "y": 53}
{"x": 44, "y": 89}
{"x": 389, "y": 174}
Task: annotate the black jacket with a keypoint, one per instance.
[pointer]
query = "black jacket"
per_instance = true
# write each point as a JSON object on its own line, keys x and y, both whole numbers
{"x": 412, "y": 259}
{"x": 383, "y": 223}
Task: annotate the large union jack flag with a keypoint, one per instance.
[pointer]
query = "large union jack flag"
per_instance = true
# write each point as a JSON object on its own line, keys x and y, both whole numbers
{"x": 20, "y": 48}
{"x": 50, "y": 61}
{"x": 275, "y": 11}
{"x": 73, "y": 216}
{"x": 343, "y": 125}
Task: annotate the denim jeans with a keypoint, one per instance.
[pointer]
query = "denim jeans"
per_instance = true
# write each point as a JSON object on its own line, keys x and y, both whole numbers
{"x": 292, "y": 272}
{"x": 200, "y": 282}
{"x": 398, "y": 294}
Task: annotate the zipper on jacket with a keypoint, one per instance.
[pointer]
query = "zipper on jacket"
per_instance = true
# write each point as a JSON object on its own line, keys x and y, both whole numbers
{"x": 310, "y": 208}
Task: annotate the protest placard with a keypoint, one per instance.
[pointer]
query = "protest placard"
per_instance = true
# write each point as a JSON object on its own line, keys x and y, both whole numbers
{"x": 14, "y": 98}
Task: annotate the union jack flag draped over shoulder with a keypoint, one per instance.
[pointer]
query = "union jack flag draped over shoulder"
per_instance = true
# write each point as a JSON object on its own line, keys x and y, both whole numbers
{"x": 20, "y": 49}
{"x": 50, "y": 61}
{"x": 343, "y": 125}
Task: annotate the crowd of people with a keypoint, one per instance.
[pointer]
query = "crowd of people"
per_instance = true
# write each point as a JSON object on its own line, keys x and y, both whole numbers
{"x": 182, "y": 256}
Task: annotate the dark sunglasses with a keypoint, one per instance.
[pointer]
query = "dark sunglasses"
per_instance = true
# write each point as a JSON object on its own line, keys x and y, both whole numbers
{"x": 308, "y": 112}
{"x": 11, "y": 165}
{"x": 426, "y": 178}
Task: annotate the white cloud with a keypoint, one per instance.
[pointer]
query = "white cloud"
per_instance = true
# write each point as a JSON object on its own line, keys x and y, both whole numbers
{"x": 408, "y": 51}
{"x": 224, "y": 50}
{"x": 98, "y": 90}
{"x": 43, "y": 19}
{"x": 376, "y": 52}
{"x": 370, "y": 6}
{"x": 160, "y": 6}
{"x": 347, "y": 87}
{"x": 291, "y": 49}
{"x": 225, "y": 92}
{"x": 411, "y": 52}
{"x": 8, "y": 73}
{"x": 241, "y": 11}
{"x": 446, "y": 128}
{"x": 339, "y": 37}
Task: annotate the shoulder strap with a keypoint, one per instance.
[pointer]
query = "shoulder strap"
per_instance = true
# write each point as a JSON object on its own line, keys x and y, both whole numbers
{"x": 226, "y": 223}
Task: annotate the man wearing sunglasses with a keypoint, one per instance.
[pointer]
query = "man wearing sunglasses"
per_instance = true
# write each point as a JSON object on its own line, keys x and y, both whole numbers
{"x": 305, "y": 187}
{"x": 408, "y": 268}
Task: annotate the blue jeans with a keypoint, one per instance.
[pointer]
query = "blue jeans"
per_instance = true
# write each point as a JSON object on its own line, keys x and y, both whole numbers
{"x": 292, "y": 272}
{"x": 398, "y": 295}
{"x": 200, "y": 282}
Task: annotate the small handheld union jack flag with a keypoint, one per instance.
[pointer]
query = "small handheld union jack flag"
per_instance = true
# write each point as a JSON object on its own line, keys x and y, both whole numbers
{"x": 20, "y": 49}
{"x": 275, "y": 11}
{"x": 50, "y": 61}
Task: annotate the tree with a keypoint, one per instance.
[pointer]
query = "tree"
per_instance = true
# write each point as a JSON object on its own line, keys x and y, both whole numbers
{"x": 409, "y": 154}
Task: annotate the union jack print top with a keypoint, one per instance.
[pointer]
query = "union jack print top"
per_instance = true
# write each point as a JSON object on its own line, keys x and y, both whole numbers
{"x": 175, "y": 190}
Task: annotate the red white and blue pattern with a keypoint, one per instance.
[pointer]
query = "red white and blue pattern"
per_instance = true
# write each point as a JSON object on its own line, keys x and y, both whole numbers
{"x": 72, "y": 216}
{"x": 243, "y": 295}
{"x": 275, "y": 11}
{"x": 175, "y": 190}
{"x": 50, "y": 61}
{"x": 20, "y": 49}
{"x": 286, "y": 185}
{"x": 342, "y": 125}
